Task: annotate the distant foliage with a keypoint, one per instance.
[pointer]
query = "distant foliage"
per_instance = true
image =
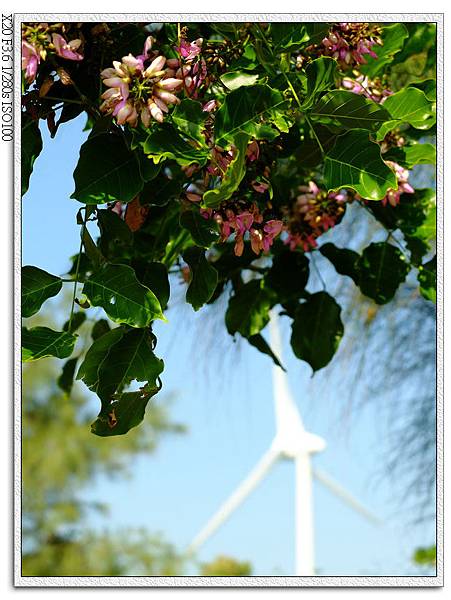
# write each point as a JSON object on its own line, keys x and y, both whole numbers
{"x": 222, "y": 152}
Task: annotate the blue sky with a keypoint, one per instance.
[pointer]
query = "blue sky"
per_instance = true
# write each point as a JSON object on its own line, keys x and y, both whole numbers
{"x": 222, "y": 392}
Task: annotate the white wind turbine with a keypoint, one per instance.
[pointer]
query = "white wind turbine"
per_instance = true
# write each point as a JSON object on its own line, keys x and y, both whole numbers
{"x": 291, "y": 442}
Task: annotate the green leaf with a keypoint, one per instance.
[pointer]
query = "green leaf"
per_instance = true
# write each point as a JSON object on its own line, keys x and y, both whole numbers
{"x": 412, "y": 154}
{"x": 427, "y": 278}
{"x": 204, "y": 277}
{"x": 236, "y": 79}
{"x": 130, "y": 358}
{"x": 154, "y": 275}
{"x": 97, "y": 353}
{"x": 107, "y": 171}
{"x": 320, "y": 74}
{"x": 346, "y": 109}
{"x": 393, "y": 37}
{"x": 203, "y": 231}
{"x": 99, "y": 328}
{"x": 411, "y": 106}
{"x": 259, "y": 342}
{"x": 288, "y": 275}
{"x": 123, "y": 413}
{"x": 248, "y": 310}
{"x": 344, "y": 260}
{"x": 382, "y": 269}
{"x": 30, "y": 147}
{"x": 165, "y": 142}
{"x": 189, "y": 118}
{"x": 66, "y": 380}
{"x": 78, "y": 319}
{"x": 355, "y": 162}
{"x": 40, "y": 342}
{"x": 288, "y": 36}
{"x": 37, "y": 287}
{"x": 232, "y": 177}
{"x": 116, "y": 289}
{"x": 317, "y": 330}
{"x": 113, "y": 231}
{"x": 246, "y": 108}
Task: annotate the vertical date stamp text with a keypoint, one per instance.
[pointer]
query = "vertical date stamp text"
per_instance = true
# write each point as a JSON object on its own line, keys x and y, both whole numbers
{"x": 7, "y": 119}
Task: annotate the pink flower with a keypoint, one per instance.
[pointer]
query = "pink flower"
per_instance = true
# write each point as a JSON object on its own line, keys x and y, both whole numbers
{"x": 210, "y": 106}
{"x": 253, "y": 151}
{"x": 65, "y": 49}
{"x": 189, "y": 50}
{"x": 30, "y": 61}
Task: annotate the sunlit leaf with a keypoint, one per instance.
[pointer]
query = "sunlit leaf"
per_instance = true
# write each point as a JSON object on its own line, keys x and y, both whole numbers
{"x": 40, "y": 342}
{"x": 350, "y": 110}
{"x": 37, "y": 287}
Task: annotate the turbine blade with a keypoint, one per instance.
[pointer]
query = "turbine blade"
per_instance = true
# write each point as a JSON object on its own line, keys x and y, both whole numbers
{"x": 236, "y": 498}
{"x": 344, "y": 495}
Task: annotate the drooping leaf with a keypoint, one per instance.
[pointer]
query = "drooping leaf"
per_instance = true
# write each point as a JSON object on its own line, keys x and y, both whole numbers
{"x": 411, "y": 106}
{"x": 113, "y": 231}
{"x": 40, "y": 342}
{"x": 204, "y": 277}
{"x": 166, "y": 142}
{"x": 245, "y": 108}
{"x": 288, "y": 275}
{"x": 320, "y": 74}
{"x": 248, "y": 310}
{"x": 97, "y": 353}
{"x": 427, "y": 278}
{"x": 154, "y": 275}
{"x": 393, "y": 39}
{"x": 117, "y": 290}
{"x": 344, "y": 260}
{"x": 203, "y": 231}
{"x": 355, "y": 162}
{"x": 232, "y": 177}
{"x": 107, "y": 171}
{"x": 349, "y": 110}
{"x": 382, "y": 269}
{"x": 66, "y": 380}
{"x": 123, "y": 413}
{"x": 259, "y": 342}
{"x": 37, "y": 287}
{"x": 30, "y": 147}
{"x": 317, "y": 330}
{"x": 130, "y": 358}
{"x": 189, "y": 118}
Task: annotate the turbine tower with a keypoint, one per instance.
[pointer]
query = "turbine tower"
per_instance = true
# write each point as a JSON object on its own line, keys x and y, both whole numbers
{"x": 291, "y": 442}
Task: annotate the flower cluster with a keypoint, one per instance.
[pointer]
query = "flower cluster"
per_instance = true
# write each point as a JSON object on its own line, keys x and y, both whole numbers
{"x": 243, "y": 218}
{"x": 370, "y": 88}
{"x": 139, "y": 87}
{"x": 39, "y": 41}
{"x": 348, "y": 43}
{"x": 313, "y": 212}
{"x": 191, "y": 68}
{"x": 392, "y": 197}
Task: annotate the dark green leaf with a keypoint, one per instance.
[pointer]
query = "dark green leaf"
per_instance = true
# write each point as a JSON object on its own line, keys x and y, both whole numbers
{"x": 355, "y": 162}
{"x": 189, "y": 118}
{"x": 130, "y": 358}
{"x": 288, "y": 36}
{"x": 382, "y": 269}
{"x": 203, "y": 231}
{"x": 320, "y": 74}
{"x": 232, "y": 177}
{"x": 107, "y": 171}
{"x": 116, "y": 289}
{"x": 97, "y": 353}
{"x": 346, "y": 109}
{"x": 427, "y": 278}
{"x": 40, "y": 342}
{"x": 154, "y": 275}
{"x": 317, "y": 330}
{"x": 259, "y": 342}
{"x": 37, "y": 287}
{"x": 113, "y": 231}
{"x": 123, "y": 413}
{"x": 165, "y": 142}
{"x": 99, "y": 328}
{"x": 78, "y": 319}
{"x": 288, "y": 275}
{"x": 66, "y": 380}
{"x": 244, "y": 109}
{"x": 248, "y": 310}
{"x": 344, "y": 260}
{"x": 30, "y": 147}
{"x": 204, "y": 277}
